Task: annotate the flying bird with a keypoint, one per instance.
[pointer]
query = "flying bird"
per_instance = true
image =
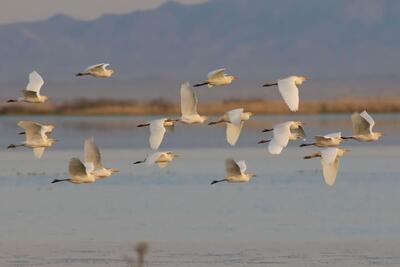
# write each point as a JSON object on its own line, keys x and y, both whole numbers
{"x": 234, "y": 120}
{"x": 235, "y": 172}
{"x": 282, "y": 134}
{"x": 162, "y": 159}
{"x": 217, "y": 78}
{"x": 157, "y": 131}
{"x": 328, "y": 140}
{"x": 330, "y": 162}
{"x": 288, "y": 87}
{"x": 189, "y": 106}
{"x": 31, "y": 94}
{"x": 98, "y": 70}
{"x": 93, "y": 157}
{"x": 78, "y": 173}
{"x": 362, "y": 128}
{"x": 35, "y": 137}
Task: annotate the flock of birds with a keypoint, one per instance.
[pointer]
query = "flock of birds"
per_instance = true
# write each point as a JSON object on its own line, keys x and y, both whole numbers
{"x": 37, "y": 135}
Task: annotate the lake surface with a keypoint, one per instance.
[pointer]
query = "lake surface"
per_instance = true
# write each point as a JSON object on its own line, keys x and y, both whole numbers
{"x": 286, "y": 216}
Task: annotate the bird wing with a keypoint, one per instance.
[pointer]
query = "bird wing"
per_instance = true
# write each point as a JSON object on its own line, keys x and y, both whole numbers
{"x": 188, "y": 100}
{"x": 299, "y": 132}
{"x": 360, "y": 124}
{"x": 92, "y": 153}
{"x": 289, "y": 92}
{"x": 242, "y": 165}
{"x": 329, "y": 155}
{"x": 76, "y": 167}
{"x": 274, "y": 148}
{"x": 33, "y": 130}
{"x": 215, "y": 74}
{"x": 157, "y": 131}
{"x": 369, "y": 119}
{"x": 97, "y": 67}
{"x": 333, "y": 135}
{"x": 330, "y": 171}
{"x": 35, "y": 82}
{"x": 38, "y": 152}
{"x": 235, "y": 116}
{"x": 150, "y": 160}
{"x": 29, "y": 94}
{"x": 232, "y": 168}
{"x": 282, "y": 133}
{"x": 233, "y": 132}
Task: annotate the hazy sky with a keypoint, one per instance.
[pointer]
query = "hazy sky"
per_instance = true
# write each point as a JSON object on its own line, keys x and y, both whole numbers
{"x": 30, "y": 10}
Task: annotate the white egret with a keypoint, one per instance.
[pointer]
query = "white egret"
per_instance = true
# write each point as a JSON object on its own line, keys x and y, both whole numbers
{"x": 282, "y": 134}
{"x": 235, "y": 172}
{"x": 234, "y": 120}
{"x": 328, "y": 140}
{"x": 330, "y": 162}
{"x": 289, "y": 90}
{"x": 93, "y": 156}
{"x": 162, "y": 159}
{"x": 189, "y": 106}
{"x": 157, "y": 131}
{"x": 217, "y": 78}
{"x": 31, "y": 94}
{"x": 78, "y": 173}
{"x": 362, "y": 128}
{"x": 98, "y": 70}
{"x": 35, "y": 137}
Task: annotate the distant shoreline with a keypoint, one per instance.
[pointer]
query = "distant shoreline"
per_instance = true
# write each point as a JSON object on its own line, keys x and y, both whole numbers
{"x": 87, "y": 107}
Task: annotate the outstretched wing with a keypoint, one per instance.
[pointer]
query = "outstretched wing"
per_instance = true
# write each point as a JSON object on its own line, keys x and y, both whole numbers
{"x": 235, "y": 116}
{"x": 76, "y": 167}
{"x": 233, "y": 132}
{"x": 369, "y": 119}
{"x": 274, "y": 148}
{"x": 216, "y": 74}
{"x": 97, "y": 67}
{"x": 231, "y": 167}
{"x": 33, "y": 130}
{"x": 282, "y": 133}
{"x": 242, "y": 166}
{"x": 329, "y": 155}
{"x": 35, "y": 82}
{"x": 38, "y": 152}
{"x": 92, "y": 153}
{"x": 150, "y": 160}
{"x": 360, "y": 124}
{"x": 157, "y": 131}
{"x": 188, "y": 100}
{"x": 290, "y": 92}
{"x": 330, "y": 171}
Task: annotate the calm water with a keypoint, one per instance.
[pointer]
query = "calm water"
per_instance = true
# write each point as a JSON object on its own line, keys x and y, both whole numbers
{"x": 285, "y": 216}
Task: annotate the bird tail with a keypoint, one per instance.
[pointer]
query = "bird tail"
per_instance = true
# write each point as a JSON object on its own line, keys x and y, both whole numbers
{"x": 201, "y": 84}
{"x": 269, "y": 84}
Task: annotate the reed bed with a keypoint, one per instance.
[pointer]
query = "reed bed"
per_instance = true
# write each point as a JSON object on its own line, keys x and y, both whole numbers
{"x": 162, "y": 106}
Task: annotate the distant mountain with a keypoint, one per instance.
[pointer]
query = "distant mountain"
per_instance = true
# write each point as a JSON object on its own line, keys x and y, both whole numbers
{"x": 334, "y": 41}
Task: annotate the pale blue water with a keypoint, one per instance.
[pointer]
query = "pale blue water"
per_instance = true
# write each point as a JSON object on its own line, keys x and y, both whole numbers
{"x": 286, "y": 211}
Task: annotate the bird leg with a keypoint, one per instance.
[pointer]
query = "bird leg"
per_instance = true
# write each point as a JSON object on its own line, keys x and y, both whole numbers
{"x": 264, "y": 141}
{"x": 144, "y": 125}
{"x": 310, "y": 144}
{"x": 139, "y": 161}
{"x": 21, "y": 133}
{"x": 201, "y": 84}
{"x": 60, "y": 180}
{"x": 13, "y": 146}
{"x": 12, "y": 101}
{"x": 315, "y": 155}
{"x": 347, "y": 137}
{"x": 81, "y": 74}
{"x": 270, "y": 84}
{"x": 267, "y": 130}
{"x": 218, "y": 181}
{"x": 216, "y": 122}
